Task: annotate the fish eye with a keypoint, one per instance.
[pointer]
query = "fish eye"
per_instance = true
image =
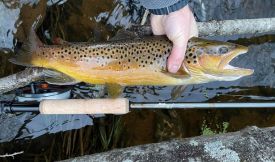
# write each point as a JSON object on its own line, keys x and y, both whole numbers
{"x": 223, "y": 50}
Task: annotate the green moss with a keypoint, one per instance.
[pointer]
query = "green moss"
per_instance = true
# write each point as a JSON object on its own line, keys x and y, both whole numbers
{"x": 206, "y": 130}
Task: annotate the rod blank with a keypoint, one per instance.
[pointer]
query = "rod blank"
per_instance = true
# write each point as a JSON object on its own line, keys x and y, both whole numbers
{"x": 199, "y": 105}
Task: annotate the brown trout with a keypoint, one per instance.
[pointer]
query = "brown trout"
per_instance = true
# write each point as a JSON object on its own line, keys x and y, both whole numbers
{"x": 138, "y": 61}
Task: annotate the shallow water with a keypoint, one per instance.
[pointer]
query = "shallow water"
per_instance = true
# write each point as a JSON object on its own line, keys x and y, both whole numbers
{"x": 47, "y": 138}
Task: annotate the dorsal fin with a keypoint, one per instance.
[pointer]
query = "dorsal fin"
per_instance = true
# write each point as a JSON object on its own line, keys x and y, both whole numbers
{"x": 123, "y": 34}
{"x": 60, "y": 41}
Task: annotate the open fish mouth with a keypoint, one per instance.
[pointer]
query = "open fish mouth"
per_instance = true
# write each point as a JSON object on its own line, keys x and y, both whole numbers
{"x": 230, "y": 72}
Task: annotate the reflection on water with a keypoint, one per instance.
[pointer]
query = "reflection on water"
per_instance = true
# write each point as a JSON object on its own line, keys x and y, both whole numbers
{"x": 91, "y": 20}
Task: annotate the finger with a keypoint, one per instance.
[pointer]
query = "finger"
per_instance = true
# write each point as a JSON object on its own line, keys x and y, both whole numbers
{"x": 157, "y": 24}
{"x": 176, "y": 57}
{"x": 194, "y": 28}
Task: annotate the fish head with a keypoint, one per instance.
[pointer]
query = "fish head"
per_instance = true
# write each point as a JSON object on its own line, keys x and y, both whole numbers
{"x": 208, "y": 60}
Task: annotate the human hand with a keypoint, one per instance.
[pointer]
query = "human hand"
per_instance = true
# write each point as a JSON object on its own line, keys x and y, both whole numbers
{"x": 179, "y": 26}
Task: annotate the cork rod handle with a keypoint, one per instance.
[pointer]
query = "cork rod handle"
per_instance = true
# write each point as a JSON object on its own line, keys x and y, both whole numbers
{"x": 85, "y": 106}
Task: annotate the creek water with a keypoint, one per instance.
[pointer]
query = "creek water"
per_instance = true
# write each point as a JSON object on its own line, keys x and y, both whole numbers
{"x": 56, "y": 137}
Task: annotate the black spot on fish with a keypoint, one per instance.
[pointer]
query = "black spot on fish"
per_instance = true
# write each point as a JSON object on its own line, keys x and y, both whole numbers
{"x": 194, "y": 57}
{"x": 190, "y": 54}
{"x": 223, "y": 50}
{"x": 195, "y": 61}
{"x": 210, "y": 51}
{"x": 198, "y": 52}
{"x": 188, "y": 62}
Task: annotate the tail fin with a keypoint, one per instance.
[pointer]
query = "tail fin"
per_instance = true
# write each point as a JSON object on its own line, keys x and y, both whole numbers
{"x": 24, "y": 55}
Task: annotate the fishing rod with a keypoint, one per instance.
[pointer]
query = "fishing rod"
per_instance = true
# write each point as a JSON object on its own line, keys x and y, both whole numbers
{"x": 43, "y": 98}
{"x": 114, "y": 106}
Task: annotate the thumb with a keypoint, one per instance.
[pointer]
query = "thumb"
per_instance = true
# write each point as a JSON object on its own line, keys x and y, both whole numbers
{"x": 177, "y": 55}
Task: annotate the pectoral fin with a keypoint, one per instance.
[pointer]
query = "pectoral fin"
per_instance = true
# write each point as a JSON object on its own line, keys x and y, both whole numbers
{"x": 114, "y": 90}
{"x": 58, "y": 78}
{"x": 177, "y": 91}
{"x": 181, "y": 74}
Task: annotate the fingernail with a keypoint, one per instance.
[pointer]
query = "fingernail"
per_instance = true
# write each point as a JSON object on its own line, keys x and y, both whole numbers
{"x": 174, "y": 68}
